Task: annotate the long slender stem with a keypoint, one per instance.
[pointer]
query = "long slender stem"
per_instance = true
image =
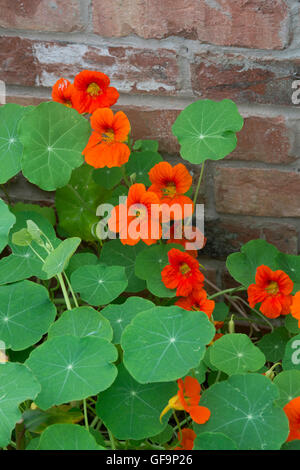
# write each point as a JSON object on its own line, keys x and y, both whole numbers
{"x": 226, "y": 291}
{"x": 198, "y": 184}
{"x": 86, "y": 421}
{"x": 125, "y": 177}
{"x": 260, "y": 315}
{"x": 178, "y": 425}
{"x": 112, "y": 440}
{"x": 71, "y": 290}
{"x": 64, "y": 291}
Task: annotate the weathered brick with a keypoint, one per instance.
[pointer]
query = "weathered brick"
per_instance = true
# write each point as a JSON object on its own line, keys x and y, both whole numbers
{"x": 43, "y": 15}
{"x": 261, "y": 192}
{"x": 226, "y": 235}
{"x": 244, "y": 78}
{"x": 134, "y": 70}
{"x": 262, "y": 24}
{"x": 264, "y": 139}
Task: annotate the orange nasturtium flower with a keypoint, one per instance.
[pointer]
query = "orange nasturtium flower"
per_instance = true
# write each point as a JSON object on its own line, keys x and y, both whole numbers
{"x": 187, "y": 399}
{"x": 92, "y": 91}
{"x": 197, "y": 300}
{"x": 63, "y": 92}
{"x": 292, "y": 410}
{"x": 170, "y": 184}
{"x": 186, "y": 441}
{"x": 138, "y": 218}
{"x": 106, "y": 145}
{"x": 273, "y": 289}
{"x": 182, "y": 273}
{"x": 295, "y": 307}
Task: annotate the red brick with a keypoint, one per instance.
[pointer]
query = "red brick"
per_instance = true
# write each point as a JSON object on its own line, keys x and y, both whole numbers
{"x": 42, "y": 15}
{"x": 244, "y": 78}
{"x": 25, "y": 100}
{"x": 264, "y": 139}
{"x": 261, "y": 192}
{"x": 262, "y": 24}
{"x": 41, "y": 63}
{"x": 155, "y": 125}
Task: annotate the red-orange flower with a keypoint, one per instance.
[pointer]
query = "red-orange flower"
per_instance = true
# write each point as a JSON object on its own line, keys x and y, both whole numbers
{"x": 170, "y": 184}
{"x": 63, "y": 92}
{"x": 186, "y": 440}
{"x": 92, "y": 91}
{"x": 197, "y": 300}
{"x": 272, "y": 289}
{"x": 182, "y": 273}
{"x": 187, "y": 398}
{"x": 186, "y": 236}
{"x": 106, "y": 145}
{"x": 295, "y": 307}
{"x": 138, "y": 219}
{"x": 292, "y": 410}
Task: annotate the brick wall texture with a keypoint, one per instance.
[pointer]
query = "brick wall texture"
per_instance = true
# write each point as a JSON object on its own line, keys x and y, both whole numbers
{"x": 163, "y": 55}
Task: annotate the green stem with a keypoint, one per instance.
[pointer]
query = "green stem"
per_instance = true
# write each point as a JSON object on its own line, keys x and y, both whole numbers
{"x": 71, "y": 290}
{"x": 178, "y": 425}
{"x": 112, "y": 440}
{"x": 226, "y": 291}
{"x": 86, "y": 421}
{"x": 198, "y": 184}
{"x": 64, "y": 291}
{"x": 125, "y": 177}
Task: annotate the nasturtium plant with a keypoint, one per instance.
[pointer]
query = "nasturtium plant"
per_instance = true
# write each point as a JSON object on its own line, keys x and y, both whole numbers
{"x": 17, "y": 384}
{"x": 53, "y": 138}
{"x": 7, "y": 220}
{"x": 206, "y": 130}
{"x": 157, "y": 337}
{"x": 11, "y": 148}
{"x": 112, "y": 334}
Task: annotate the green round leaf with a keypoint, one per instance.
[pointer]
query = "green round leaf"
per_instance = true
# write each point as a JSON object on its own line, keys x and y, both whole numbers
{"x": 23, "y": 262}
{"x": 273, "y": 344}
{"x": 221, "y": 311}
{"x": 81, "y": 259}
{"x": 292, "y": 445}
{"x": 149, "y": 264}
{"x": 53, "y": 137}
{"x": 37, "y": 420}
{"x": 292, "y": 324}
{"x": 290, "y": 264}
{"x": 17, "y": 384}
{"x": 57, "y": 261}
{"x": 67, "y": 437}
{"x": 25, "y": 314}
{"x": 114, "y": 253}
{"x": 242, "y": 266}
{"x": 108, "y": 178}
{"x": 131, "y": 410}
{"x": 77, "y": 204}
{"x": 10, "y": 146}
{"x": 243, "y": 408}
{"x": 288, "y": 383}
{"x": 206, "y": 130}
{"x": 140, "y": 163}
{"x": 146, "y": 145}
{"x": 291, "y": 359}
{"x": 235, "y": 353}
{"x": 99, "y": 285}
{"x": 7, "y": 220}
{"x": 71, "y": 368}
{"x": 120, "y": 316}
{"x": 81, "y": 322}
{"x": 164, "y": 436}
{"x": 46, "y": 212}
{"x": 214, "y": 441}
{"x": 164, "y": 343}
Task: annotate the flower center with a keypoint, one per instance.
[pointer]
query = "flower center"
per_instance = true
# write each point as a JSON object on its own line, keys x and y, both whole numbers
{"x": 169, "y": 190}
{"x": 272, "y": 288}
{"x": 184, "y": 268}
{"x": 93, "y": 89}
{"x": 108, "y": 135}
{"x": 68, "y": 104}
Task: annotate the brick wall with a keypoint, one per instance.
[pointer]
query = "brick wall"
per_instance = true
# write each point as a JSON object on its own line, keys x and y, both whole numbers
{"x": 163, "y": 55}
